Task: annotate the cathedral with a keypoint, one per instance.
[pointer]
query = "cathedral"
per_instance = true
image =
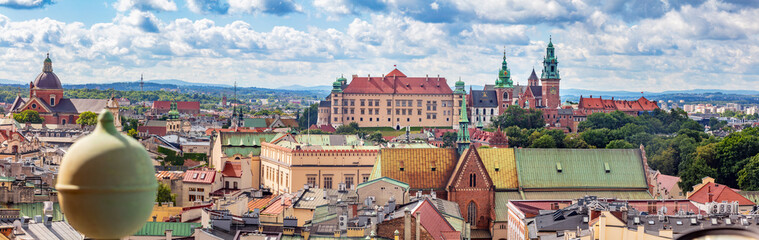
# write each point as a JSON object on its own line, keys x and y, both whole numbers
{"x": 46, "y": 98}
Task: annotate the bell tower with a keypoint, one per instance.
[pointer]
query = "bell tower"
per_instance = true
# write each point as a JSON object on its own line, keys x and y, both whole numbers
{"x": 504, "y": 86}
{"x": 550, "y": 78}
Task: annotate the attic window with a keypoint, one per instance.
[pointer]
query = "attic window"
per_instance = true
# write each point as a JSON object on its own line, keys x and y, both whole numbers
{"x": 606, "y": 167}
{"x": 401, "y": 169}
{"x": 433, "y": 169}
{"x": 203, "y": 176}
{"x": 194, "y": 175}
{"x": 558, "y": 167}
{"x": 497, "y": 169}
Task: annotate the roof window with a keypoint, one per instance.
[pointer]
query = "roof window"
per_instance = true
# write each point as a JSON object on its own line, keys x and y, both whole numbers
{"x": 194, "y": 175}
{"x": 606, "y": 167}
{"x": 203, "y": 176}
{"x": 558, "y": 167}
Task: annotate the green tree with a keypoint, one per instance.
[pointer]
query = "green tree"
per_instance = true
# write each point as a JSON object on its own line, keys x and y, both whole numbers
{"x": 666, "y": 162}
{"x": 87, "y": 119}
{"x": 309, "y": 116}
{"x": 619, "y": 144}
{"x": 596, "y": 137}
{"x": 545, "y": 141}
{"x": 748, "y": 177}
{"x": 28, "y": 116}
{"x": 520, "y": 117}
{"x": 376, "y": 137}
{"x": 350, "y": 128}
{"x": 449, "y": 139}
{"x": 133, "y": 133}
{"x": 164, "y": 194}
{"x": 575, "y": 141}
{"x": 517, "y": 137}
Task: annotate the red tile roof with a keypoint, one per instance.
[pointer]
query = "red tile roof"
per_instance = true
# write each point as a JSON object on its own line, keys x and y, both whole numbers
{"x": 452, "y": 235}
{"x": 199, "y": 176}
{"x": 324, "y": 128}
{"x": 397, "y": 82}
{"x": 719, "y": 193}
{"x": 667, "y": 181}
{"x": 260, "y": 203}
{"x": 278, "y": 206}
{"x": 642, "y": 104}
{"x": 432, "y": 220}
{"x": 531, "y": 208}
{"x": 243, "y": 129}
{"x": 191, "y": 163}
{"x": 173, "y": 175}
{"x": 166, "y": 105}
{"x": 232, "y": 169}
{"x": 157, "y": 130}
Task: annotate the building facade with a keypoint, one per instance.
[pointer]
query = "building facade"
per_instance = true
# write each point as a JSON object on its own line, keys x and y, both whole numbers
{"x": 392, "y": 100}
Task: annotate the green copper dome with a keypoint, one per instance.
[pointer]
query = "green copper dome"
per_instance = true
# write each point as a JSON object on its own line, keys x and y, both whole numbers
{"x": 460, "y": 87}
{"x": 337, "y": 86}
{"x": 504, "y": 75}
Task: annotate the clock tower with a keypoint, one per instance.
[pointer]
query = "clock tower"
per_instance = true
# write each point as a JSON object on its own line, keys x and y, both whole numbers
{"x": 550, "y": 78}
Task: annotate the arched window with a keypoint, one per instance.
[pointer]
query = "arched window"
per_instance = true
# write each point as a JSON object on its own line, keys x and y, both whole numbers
{"x": 63, "y": 121}
{"x": 505, "y": 96}
{"x": 471, "y": 214}
{"x": 52, "y": 100}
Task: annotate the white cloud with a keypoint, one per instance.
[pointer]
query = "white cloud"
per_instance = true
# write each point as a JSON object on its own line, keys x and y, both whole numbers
{"x": 276, "y": 7}
{"x": 145, "y": 5}
{"x": 24, "y": 4}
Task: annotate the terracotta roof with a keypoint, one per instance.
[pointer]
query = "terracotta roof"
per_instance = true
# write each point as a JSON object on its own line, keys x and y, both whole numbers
{"x": 531, "y": 208}
{"x": 166, "y": 105}
{"x": 452, "y": 235}
{"x": 719, "y": 193}
{"x": 667, "y": 181}
{"x": 260, "y": 202}
{"x": 673, "y": 205}
{"x": 421, "y": 168}
{"x": 191, "y": 163}
{"x": 160, "y": 131}
{"x": 642, "y": 104}
{"x": 397, "y": 82}
{"x": 432, "y": 220}
{"x": 325, "y": 128}
{"x": 244, "y": 129}
{"x": 232, "y": 169}
{"x": 278, "y": 206}
{"x": 173, "y": 175}
{"x": 200, "y": 176}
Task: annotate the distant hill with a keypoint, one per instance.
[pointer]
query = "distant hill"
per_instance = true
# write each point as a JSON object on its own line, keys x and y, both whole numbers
{"x": 8, "y": 81}
{"x": 321, "y": 88}
{"x": 185, "y": 83}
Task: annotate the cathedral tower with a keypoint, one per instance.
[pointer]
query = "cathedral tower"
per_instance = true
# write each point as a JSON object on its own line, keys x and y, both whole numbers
{"x": 550, "y": 78}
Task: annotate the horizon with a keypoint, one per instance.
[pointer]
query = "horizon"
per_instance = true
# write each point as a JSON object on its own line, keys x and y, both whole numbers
{"x": 270, "y": 44}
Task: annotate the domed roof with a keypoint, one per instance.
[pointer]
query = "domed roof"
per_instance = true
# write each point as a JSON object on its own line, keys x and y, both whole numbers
{"x": 47, "y": 79}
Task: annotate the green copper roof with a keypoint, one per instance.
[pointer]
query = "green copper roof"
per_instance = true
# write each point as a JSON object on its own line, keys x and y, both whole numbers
{"x": 245, "y": 151}
{"x": 37, "y": 209}
{"x": 501, "y": 201}
{"x": 559, "y": 195}
{"x": 337, "y": 86}
{"x": 580, "y": 168}
{"x": 246, "y": 138}
{"x": 459, "y": 87}
{"x": 384, "y": 179}
{"x": 254, "y": 122}
{"x": 504, "y": 75}
{"x": 179, "y": 229}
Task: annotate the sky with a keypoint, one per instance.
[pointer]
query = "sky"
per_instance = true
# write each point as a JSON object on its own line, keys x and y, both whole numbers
{"x": 634, "y": 45}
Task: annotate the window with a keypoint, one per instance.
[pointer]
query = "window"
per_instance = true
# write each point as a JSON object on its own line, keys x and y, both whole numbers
{"x": 328, "y": 182}
{"x": 376, "y": 102}
{"x": 203, "y": 176}
{"x": 353, "y": 102}
{"x": 389, "y": 103}
{"x": 365, "y": 178}
{"x": 63, "y": 121}
{"x": 311, "y": 180}
{"x": 34, "y": 105}
{"x": 419, "y": 112}
{"x": 472, "y": 180}
{"x": 362, "y": 110}
{"x": 349, "y": 181}
{"x": 352, "y": 110}
{"x": 52, "y": 100}
{"x": 419, "y": 103}
{"x": 471, "y": 213}
{"x": 362, "y": 102}
{"x": 389, "y": 111}
{"x": 235, "y": 183}
{"x": 371, "y": 103}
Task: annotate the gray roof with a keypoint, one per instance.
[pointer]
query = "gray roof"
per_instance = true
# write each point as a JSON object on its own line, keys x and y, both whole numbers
{"x": 47, "y": 80}
{"x": 56, "y": 230}
{"x": 484, "y": 98}
{"x": 155, "y": 123}
{"x": 533, "y": 76}
{"x": 537, "y": 91}
{"x": 325, "y": 104}
{"x": 314, "y": 197}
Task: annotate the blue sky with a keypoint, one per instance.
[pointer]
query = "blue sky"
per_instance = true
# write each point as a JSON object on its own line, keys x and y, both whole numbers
{"x": 636, "y": 45}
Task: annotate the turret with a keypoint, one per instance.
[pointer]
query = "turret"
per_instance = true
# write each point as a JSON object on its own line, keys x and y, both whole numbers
{"x": 504, "y": 75}
{"x": 462, "y": 141}
{"x": 459, "y": 87}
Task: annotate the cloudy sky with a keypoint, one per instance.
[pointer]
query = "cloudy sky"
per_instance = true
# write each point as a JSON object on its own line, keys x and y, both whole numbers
{"x": 636, "y": 45}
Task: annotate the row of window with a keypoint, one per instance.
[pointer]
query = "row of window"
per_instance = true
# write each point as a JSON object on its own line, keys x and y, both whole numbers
{"x": 360, "y": 119}
{"x": 327, "y": 180}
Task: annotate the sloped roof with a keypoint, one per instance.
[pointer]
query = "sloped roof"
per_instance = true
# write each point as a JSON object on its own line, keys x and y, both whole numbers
{"x": 384, "y": 179}
{"x": 537, "y": 91}
{"x": 397, "y": 82}
{"x": 199, "y": 176}
{"x": 232, "y": 169}
{"x": 719, "y": 192}
{"x": 324, "y": 128}
{"x": 503, "y": 160}
{"x": 580, "y": 168}
{"x": 481, "y": 98}
{"x": 533, "y": 76}
{"x": 254, "y": 122}
{"x": 642, "y": 104}
{"x": 667, "y": 181}
{"x": 559, "y": 195}
{"x": 179, "y": 229}
{"x": 278, "y": 206}
{"x": 247, "y": 139}
{"x": 181, "y": 105}
{"x": 432, "y": 220}
{"x": 260, "y": 202}
{"x": 415, "y": 166}
{"x": 57, "y": 230}
{"x": 173, "y": 175}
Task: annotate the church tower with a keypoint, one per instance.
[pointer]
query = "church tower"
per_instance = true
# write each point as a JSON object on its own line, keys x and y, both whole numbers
{"x": 504, "y": 87}
{"x": 462, "y": 141}
{"x": 550, "y": 78}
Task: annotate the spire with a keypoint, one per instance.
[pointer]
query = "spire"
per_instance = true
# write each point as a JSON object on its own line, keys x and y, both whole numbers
{"x": 48, "y": 65}
{"x": 463, "y": 135}
{"x": 463, "y": 118}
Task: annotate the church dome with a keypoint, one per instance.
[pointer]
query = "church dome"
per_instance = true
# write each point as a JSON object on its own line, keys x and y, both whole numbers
{"x": 47, "y": 79}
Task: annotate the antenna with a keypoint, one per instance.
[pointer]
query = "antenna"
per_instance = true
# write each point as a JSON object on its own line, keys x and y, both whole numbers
{"x": 142, "y": 83}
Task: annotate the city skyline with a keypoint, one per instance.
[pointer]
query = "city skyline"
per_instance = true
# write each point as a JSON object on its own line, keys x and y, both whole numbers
{"x": 641, "y": 45}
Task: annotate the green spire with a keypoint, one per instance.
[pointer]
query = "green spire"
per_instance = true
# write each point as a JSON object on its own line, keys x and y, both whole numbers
{"x": 337, "y": 86}
{"x": 173, "y": 113}
{"x": 463, "y": 134}
{"x": 550, "y": 63}
{"x": 459, "y": 87}
{"x": 504, "y": 75}
{"x": 47, "y": 66}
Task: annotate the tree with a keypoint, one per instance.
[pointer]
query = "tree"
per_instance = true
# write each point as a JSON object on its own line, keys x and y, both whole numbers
{"x": 164, "y": 194}
{"x": 376, "y": 137}
{"x": 748, "y": 177}
{"x": 449, "y": 139}
{"x": 546, "y": 141}
{"x": 309, "y": 116}
{"x": 574, "y": 141}
{"x": 666, "y": 162}
{"x": 596, "y": 137}
{"x": 517, "y": 137}
{"x": 619, "y": 144}
{"x": 133, "y": 133}
{"x": 520, "y": 117}
{"x": 28, "y": 116}
{"x": 87, "y": 119}
{"x": 350, "y": 128}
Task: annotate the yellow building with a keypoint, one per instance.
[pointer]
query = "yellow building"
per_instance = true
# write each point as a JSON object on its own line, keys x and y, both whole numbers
{"x": 608, "y": 227}
{"x": 392, "y": 100}
{"x": 293, "y": 161}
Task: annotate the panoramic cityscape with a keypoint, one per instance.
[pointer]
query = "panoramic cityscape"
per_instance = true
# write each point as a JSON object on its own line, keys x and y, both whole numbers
{"x": 379, "y": 119}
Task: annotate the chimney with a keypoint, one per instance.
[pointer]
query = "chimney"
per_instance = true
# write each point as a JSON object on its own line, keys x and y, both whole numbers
{"x": 154, "y": 218}
{"x": 433, "y": 194}
{"x": 168, "y": 233}
{"x": 48, "y": 220}
{"x": 418, "y": 224}
{"x": 407, "y": 224}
